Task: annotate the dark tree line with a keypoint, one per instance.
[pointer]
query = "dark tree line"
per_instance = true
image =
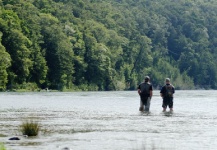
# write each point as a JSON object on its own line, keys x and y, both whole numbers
{"x": 107, "y": 44}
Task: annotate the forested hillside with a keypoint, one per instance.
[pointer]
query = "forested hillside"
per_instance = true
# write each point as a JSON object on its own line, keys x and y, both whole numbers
{"x": 107, "y": 44}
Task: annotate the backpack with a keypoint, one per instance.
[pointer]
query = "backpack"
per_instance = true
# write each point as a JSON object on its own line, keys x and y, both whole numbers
{"x": 144, "y": 87}
{"x": 169, "y": 91}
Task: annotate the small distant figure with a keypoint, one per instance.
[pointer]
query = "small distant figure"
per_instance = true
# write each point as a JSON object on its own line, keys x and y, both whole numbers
{"x": 166, "y": 93}
{"x": 145, "y": 91}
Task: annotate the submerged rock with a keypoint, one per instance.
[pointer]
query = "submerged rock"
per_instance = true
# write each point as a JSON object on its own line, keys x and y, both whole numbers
{"x": 66, "y": 148}
{"x": 26, "y": 136}
{"x": 14, "y": 138}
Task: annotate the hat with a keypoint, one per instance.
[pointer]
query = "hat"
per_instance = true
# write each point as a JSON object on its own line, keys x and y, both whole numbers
{"x": 167, "y": 79}
{"x": 147, "y": 78}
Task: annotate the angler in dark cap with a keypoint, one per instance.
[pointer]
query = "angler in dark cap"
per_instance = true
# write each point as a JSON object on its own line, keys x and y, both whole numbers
{"x": 145, "y": 91}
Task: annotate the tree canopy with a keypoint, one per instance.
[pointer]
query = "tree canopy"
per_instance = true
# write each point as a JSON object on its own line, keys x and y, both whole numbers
{"x": 107, "y": 44}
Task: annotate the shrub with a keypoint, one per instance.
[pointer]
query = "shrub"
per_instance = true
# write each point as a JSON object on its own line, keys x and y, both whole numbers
{"x": 30, "y": 128}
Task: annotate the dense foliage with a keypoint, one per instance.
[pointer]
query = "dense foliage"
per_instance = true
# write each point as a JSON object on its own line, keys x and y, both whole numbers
{"x": 107, "y": 44}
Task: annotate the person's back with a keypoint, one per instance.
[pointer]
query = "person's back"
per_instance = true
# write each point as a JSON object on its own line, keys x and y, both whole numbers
{"x": 145, "y": 92}
{"x": 166, "y": 93}
{"x": 169, "y": 90}
{"x": 145, "y": 89}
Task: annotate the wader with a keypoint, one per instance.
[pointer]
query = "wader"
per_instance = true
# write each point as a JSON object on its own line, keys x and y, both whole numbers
{"x": 145, "y": 101}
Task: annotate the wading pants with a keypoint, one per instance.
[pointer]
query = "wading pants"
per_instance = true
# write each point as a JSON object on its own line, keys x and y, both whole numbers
{"x": 145, "y": 101}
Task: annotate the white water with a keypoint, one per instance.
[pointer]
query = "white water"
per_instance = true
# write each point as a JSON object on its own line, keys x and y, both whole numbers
{"x": 109, "y": 121}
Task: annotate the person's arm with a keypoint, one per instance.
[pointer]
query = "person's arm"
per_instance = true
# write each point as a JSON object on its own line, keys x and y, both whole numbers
{"x": 161, "y": 92}
{"x": 139, "y": 91}
{"x": 151, "y": 93}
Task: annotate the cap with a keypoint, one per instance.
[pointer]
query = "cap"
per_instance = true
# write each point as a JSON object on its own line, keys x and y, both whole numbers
{"x": 147, "y": 78}
{"x": 167, "y": 80}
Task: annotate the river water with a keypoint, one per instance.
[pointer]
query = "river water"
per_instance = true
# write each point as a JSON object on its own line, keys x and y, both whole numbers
{"x": 109, "y": 121}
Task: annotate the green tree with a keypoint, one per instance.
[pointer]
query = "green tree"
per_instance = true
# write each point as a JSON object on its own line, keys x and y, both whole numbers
{"x": 5, "y": 62}
{"x": 30, "y": 25}
{"x": 59, "y": 53}
{"x": 17, "y": 45}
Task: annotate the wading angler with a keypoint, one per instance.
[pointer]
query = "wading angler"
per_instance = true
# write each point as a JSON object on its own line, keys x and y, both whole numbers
{"x": 145, "y": 91}
{"x": 166, "y": 93}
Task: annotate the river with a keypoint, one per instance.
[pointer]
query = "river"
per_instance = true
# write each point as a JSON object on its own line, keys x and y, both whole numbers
{"x": 109, "y": 121}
